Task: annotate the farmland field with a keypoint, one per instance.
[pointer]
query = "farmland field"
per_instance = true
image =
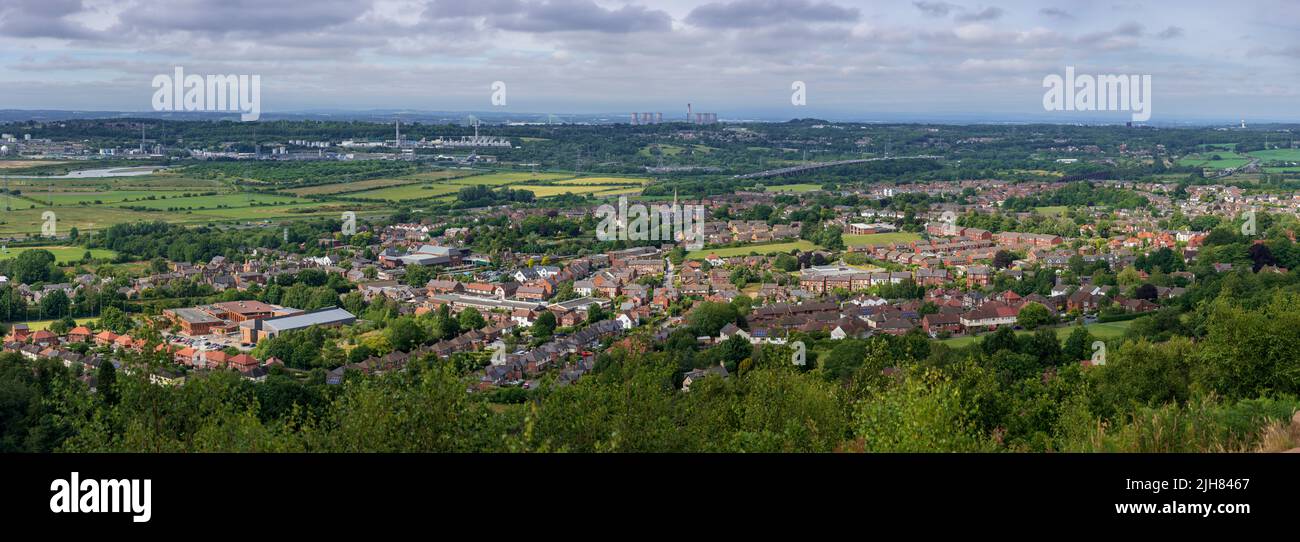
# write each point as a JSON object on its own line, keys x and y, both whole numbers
{"x": 1285, "y": 155}
{"x": 1228, "y": 159}
{"x": 880, "y": 238}
{"x": 409, "y": 192}
{"x": 508, "y": 177}
{"x": 605, "y": 180}
{"x": 246, "y": 199}
{"x": 548, "y": 191}
{"x": 356, "y": 186}
{"x": 27, "y": 222}
{"x": 61, "y": 253}
{"x": 373, "y": 184}
{"x": 794, "y": 188}
{"x": 769, "y": 248}
{"x": 19, "y": 164}
{"x": 620, "y": 191}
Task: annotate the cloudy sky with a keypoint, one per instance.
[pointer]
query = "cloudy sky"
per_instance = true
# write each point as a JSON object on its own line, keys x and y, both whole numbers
{"x": 859, "y": 59}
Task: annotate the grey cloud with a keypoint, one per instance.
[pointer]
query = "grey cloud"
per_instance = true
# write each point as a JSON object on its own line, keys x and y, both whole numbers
{"x": 935, "y": 9}
{"x": 584, "y": 15}
{"x": 552, "y": 16}
{"x": 241, "y": 16}
{"x": 1055, "y": 12}
{"x": 43, "y": 19}
{"x": 986, "y": 14}
{"x": 755, "y": 13}
{"x": 1170, "y": 33}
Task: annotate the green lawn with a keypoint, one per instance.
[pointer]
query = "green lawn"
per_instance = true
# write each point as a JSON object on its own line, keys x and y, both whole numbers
{"x": 1104, "y": 331}
{"x": 45, "y": 324}
{"x": 61, "y": 253}
{"x": 1057, "y": 210}
{"x": 880, "y": 238}
{"x": 768, "y": 248}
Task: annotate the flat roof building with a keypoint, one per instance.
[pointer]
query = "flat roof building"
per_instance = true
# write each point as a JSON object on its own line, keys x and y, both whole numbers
{"x": 254, "y": 331}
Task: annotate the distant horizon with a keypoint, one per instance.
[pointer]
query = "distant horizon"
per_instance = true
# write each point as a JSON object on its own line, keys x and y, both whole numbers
{"x": 8, "y": 115}
{"x": 1207, "y": 61}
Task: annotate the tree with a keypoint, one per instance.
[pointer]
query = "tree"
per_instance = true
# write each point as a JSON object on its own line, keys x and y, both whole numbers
{"x": 708, "y": 318}
{"x": 404, "y": 334}
{"x": 1078, "y": 346}
{"x": 544, "y": 326}
{"x": 470, "y": 319}
{"x": 1128, "y": 277}
{"x": 113, "y": 319}
{"x": 32, "y": 266}
{"x": 735, "y": 349}
{"x": 106, "y": 382}
{"x": 1261, "y": 256}
{"x": 55, "y": 304}
{"x": 1146, "y": 291}
{"x": 1033, "y": 315}
{"x": 595, "y": 313}
{"x": 1003, "y": 259}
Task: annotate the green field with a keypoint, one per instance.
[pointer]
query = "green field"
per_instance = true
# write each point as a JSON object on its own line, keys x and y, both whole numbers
{"x": 548, "y": 191}
{"x": 1284, "y": 155}
{"x": 38, "y": 325}
{"x": 61, "y": 253}
{"x": 508, "y": 177}
{"x": 769, "y": 248}
{"x": 880, "y": 238}
{"x": 794, "y": 188}
{"x": 606, "y": 180}
{"x": 247, "y": 199}
{"x": 1103, "y": 331}
{"x": 1228, "y": 159}
{"x": 409, "y": 192}
{"x": 620, "y": 191}
{"x": 1057, "y": 211}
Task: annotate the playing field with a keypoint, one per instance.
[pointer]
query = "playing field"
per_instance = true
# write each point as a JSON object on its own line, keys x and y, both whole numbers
{"x": 1104, "y": 331}
{"x": 769, "y": 248}
{"x": 880, "y": 238}
{"x": 38, "y": 325}
{"x": 61, "y": 253}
